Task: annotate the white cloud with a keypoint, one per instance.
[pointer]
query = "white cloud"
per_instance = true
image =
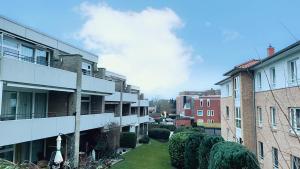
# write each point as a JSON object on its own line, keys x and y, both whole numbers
{"x": 141, "y": 45}
{"x": 229, "y": 35}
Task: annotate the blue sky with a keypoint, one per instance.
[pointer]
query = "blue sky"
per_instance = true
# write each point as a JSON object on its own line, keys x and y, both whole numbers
{"x": 220, "y": 34}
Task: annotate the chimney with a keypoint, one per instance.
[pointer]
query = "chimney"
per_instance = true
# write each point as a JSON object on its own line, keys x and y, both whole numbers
{"x": 270, "y": 50}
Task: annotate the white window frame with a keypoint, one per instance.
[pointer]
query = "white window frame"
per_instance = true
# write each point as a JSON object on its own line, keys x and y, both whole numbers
{"x": 258, "y": 80}
{"x": 293, "y": 119}
{"x": 259, "y": 116}
{"x": 238, "y": 117}
{"x": 212, "y": 113}
{"x": 208, "y": 112}
{"x": 199, "y": 111}
{"x": 295, "y": 158}
{"x": 87, "y": 67}
{"x": 227, "y": 90}
{"x": 292, "y": 75}
{"x": 236, "y": 86}
{"x": 208, "y": 102}
{"x": 275, "y": 166}
{"x": 273, "y": 117}
{"x": 273, "y": 76}
{"x": 201, "y": 102}
{"x": 261, "y": 150}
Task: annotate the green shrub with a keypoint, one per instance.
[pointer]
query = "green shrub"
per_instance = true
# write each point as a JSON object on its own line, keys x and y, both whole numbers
{"x": 159, "y": 133}
{"x": 164, "y": 126}
{"x": 230, "y": 155}
{"x": 144, "y": 140}
{"x": 184, "y": 129}
{"x": 204, "y": 149}
{"x": 128, "y": 140}
{"x": 191, "y": 150}
{"x": 177, "y": 147}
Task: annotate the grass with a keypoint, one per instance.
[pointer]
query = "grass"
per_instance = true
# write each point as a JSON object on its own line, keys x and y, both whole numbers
{"x": 148, "y": 156}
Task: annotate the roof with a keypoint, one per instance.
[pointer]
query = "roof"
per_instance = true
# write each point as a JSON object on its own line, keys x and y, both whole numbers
{"x": 277, "y": 54}
{"x": 222, "y": 81}
{"x": 13, "y": 27}
{"x": 242, "y": 67}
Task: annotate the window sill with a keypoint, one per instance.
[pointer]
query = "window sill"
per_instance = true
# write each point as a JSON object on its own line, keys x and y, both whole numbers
{"x": 260, "y": 126}
{"x": 273, "y": 129}
{"x": 292, "y": 134}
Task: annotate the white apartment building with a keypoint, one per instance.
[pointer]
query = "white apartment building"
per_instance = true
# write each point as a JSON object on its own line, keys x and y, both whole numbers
{"x": 50, "y": 88}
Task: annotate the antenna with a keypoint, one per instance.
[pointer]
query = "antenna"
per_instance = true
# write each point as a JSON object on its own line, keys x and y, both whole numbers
{"x": 289, "y": 31}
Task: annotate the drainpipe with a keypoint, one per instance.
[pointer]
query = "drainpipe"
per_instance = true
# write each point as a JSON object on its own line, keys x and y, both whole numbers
{"x": 254, "y": 116}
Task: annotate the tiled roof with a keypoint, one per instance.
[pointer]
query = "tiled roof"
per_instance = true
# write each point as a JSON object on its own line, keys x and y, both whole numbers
{"x": 248, "y": 64}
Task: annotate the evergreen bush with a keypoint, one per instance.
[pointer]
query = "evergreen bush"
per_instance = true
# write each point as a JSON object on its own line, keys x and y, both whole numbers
{"x": 230, "y": 155}
{"x": 187, "y": 129}
{"x": 128, "y": 140}
{"x": 144, "y": 140}
{"x": 164, "y": 126}
{"x": 204, "y": 149}
{"x": 191, "y": 150}
{"x": 177, "y": 147}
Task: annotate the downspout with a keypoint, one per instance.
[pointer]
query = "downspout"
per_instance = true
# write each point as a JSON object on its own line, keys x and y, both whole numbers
{"x": 254, "y": 111}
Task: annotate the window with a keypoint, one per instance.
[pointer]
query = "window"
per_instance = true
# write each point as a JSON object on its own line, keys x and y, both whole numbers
{"x": 259, "y": 115}
{"x": 27, "y": 54}
{"x": 272, "y": 76}
{"x": 212, "y": 113}
{"x": 212, "y": 120}
{"x": 275, "y": 157}
{"x": 208, "y": 112}
{"x": 201, "y": 103}
{"x": 295, "y": 119}
{"x": 10, "y": 47}
{"x": 227, "y": 90}
{"x": 292, "y": 70}
{"x": 85, "y": 105}
{"x": 208, "y": 102}
{"x": 86, "y": 68}
{"x": 227, "y": 112}
{"x": 200, "y": 112}
{"x": 238, "y": 120}
{"x": 236, "y": 84}
{"x": 273, "y": 116}
{"x": 9, "y": 106}
{"x": 295, "y": 162}
{"x": 258, "y": 80}
{"x": 261, "y": 150}
{"x": 41, "y": 57}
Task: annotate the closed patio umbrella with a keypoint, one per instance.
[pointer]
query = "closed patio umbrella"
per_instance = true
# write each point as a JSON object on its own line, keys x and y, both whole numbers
{"x": 93, "y": 154}
{"x": 58, "y": 157}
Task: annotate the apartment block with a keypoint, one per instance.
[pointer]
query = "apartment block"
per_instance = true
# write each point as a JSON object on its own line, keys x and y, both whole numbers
{"x": 50, "y": 88}
{"x": 270, "y": 123}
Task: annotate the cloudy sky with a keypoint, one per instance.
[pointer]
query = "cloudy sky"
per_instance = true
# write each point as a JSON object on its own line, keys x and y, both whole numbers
{"x": 165, "y": 46}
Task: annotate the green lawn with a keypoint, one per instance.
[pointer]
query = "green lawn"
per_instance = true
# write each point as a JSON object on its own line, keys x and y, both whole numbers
{"x": 149, "y": 156}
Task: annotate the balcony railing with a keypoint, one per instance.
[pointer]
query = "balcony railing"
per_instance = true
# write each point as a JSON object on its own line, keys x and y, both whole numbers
{"x": 19, "y": 116}
{"x": 38, "y": 60}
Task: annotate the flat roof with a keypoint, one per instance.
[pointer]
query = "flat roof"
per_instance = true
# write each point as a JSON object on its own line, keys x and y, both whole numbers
{"x": 13, "y": 27}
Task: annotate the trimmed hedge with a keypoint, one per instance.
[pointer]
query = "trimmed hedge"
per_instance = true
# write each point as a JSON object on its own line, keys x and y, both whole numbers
{"x": 144, "y": 140}
{"x": 191, "y": 150}
{"x": 230, "y": 155}
{"x": 164, "y": 126}
{"x": 159, "y": 133}
{"x": 177, "y": 147}
{"x": 204, "y": 149}
{"x": 128, "y": 140}
{"x": 188, "y": 129}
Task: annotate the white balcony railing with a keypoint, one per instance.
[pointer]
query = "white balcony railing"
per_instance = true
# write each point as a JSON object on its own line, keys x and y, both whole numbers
{"x": 93, "y": 84}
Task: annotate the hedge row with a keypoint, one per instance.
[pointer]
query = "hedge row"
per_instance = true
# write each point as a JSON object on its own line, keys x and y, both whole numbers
{"x": 144, "y": 140}
{"x": 164, "y": 126}
{"x": 195, "y": 150}
{"x": 159, "y": 133}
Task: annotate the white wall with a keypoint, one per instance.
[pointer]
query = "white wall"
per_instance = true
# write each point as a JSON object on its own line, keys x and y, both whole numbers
{"x": 127, "y": 97}
{"x": 224, "y": 91}
{"x": 14, "y": 70}
{"x": 281, "y": 69}
{"x": 97, "y": 85}
{"x": 17, "y": 131}
{"x": 93, "y": 121}
{"x": 129, "y": 120}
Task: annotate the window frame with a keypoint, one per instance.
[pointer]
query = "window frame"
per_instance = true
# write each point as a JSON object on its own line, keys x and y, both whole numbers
{"x": 275, "y": 158}
{"x": 293, "y": 119}
{"x": 292, "y": 76}
{"x": 261, "y": 150}
{"x": 198, "y": 112}
{"x": 227, "y": 112}
{"x": 201, "y": 102}
{"x": 273, "y": 76}
{"x": 260, "y": 116}
{"x": 292, "y": 161}
{"x": 273, "y": 117}
{"x": 208, "y": 102}
{"x": 258, "y": 80}
{"x": 208, "y": 112}
{"x": 238, "y": 117}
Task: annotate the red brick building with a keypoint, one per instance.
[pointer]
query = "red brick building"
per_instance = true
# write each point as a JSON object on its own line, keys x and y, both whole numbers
{"x": 206, "y": 109}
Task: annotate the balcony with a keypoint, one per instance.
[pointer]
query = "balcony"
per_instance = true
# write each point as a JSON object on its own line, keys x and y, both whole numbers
{"x": 144, "y": 119}
{"x": 143, "y": 103}
{"x": 129, "y": 120}
{"x": 20, "y": 71}
{"x": 92, "y": 121}
{"x": 127, "y": 97}
{"x": 17, "y": 131}
{"x": 93, "y": 84}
